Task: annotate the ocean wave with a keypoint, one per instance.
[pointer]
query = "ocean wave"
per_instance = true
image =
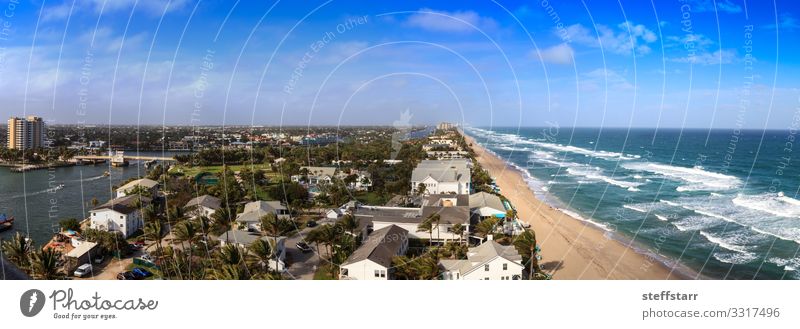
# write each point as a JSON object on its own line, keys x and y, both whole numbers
{"x": 698, "y": 178}
{"x": 634, "y": 208}
{"x": 735, "y": 257}
{"x": 772, "y": 203}
{"x": 661, "y": 217}
{"x": 724, "y": 243}
{"x": 577, "y": 216}
{"x": 694, "y": 223}
{"x": 596, "y": 174}
{"x": 787, "y": 264}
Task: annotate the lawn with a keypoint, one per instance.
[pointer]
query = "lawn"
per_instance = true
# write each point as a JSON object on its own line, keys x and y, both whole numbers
{"x": 194, "y": 170}
{"x": 370, "y": 198}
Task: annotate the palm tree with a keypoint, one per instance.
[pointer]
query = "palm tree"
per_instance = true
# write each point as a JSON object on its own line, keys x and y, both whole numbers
{"x": 486, "y": 227}
{"x": 459, "y": 229}
{"x": 18, "y": 250}
{"x": 323, "y": 234}
{"x": 154, "y": 231}
{"x": 186, "y": 231}
{"x": 229, "y": 272}
{"x": 429, "y": 224}
{"x": 350, "y": 224}
{"x": 261, "y": 252}
{"x": 222, "y": 220}
{"x": 44, "y": 264}
{"x": 526, "y": 246}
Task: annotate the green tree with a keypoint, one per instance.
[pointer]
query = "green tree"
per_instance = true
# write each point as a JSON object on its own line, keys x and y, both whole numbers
{"x": 44, "y": 264}
{"x": 70, "y": 224}
{"x": 18, "y": 250}
{"x": 526, "y": 246}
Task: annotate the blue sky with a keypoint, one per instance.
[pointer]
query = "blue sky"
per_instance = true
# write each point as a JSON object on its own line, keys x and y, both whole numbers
{"x": 696, "y": 64}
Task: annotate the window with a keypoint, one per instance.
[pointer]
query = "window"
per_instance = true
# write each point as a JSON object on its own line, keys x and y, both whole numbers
{"x": 377, "y": 273}
{"x": 486, "y": 267}
{"x": 120, "y": 217}
{"x": 505, "y": 266}
{"x": 383, "y": 273}
{"x": 486, "y": 278}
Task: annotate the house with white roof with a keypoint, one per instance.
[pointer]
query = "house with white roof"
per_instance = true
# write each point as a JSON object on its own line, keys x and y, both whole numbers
{"x": 373, "y": 259}
{"x": 489, "y": 261}
{"x": 204, "y": 205}
{"x": 442, "y": 176}
{"x": 120, "y": 215}
{"x": 315, "y": 175}
{"x": 145, "y": 183}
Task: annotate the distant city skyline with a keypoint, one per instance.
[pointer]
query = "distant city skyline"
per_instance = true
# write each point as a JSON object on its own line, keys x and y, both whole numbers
{"x": 506, "y": 63}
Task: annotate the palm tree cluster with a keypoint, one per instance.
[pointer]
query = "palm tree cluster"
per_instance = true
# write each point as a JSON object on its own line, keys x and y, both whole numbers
{"x": 42, "y": 263}
{"x": 340, "y": 240}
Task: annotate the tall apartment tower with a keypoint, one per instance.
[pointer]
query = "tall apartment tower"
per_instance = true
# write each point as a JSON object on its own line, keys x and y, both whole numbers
{"x": 26, "y": 133}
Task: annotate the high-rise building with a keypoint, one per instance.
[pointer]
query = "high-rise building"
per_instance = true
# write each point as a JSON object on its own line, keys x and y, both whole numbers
{"x": 26, "y": 133}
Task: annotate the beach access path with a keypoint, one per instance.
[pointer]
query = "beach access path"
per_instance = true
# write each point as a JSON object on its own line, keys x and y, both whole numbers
{"x": 571, "y": 249}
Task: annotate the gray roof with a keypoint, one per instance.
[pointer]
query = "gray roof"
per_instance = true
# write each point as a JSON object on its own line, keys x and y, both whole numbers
{"x": 243, "y": 237}
{"x": 448, "y": 215}
{"x": 205, "y": 201}
{"x": 253, "y": 211}
{"x": 380, "y": 246}
{"x": 483, "y": 199}
{"x": 477, "y": 256}
{"x": 124, "y": 205}
{"x": 456, "y": 170}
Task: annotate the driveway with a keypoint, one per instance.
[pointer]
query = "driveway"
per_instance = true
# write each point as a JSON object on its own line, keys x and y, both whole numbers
{"x": 303, "y": 264}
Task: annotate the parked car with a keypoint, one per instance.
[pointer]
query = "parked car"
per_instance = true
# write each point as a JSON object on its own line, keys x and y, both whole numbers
{"x": 304, "y": 247}
{"x": 148, "y": 258}
{"x": 98, "y": 259}
{"x": 140, "y": 273}
{"x": 138, "y": 244}
{"x": 127, "y": 275}
{"x": 83, "y": 270}
{"x": 311, "y": 223}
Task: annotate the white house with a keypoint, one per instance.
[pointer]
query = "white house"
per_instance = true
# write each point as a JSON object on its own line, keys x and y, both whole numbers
{"x": 373, "y": 260}
{"x": 144, "y": 183}
{"x": 316, "y": 175}
{"x": 119, "y": 215}
{"x": 204, "y": 205}
{"x": 452, "y": 209}
{"x": 244, "y": 239}
{"x": 442, "y": 176}
{"x": 489, "y": 261}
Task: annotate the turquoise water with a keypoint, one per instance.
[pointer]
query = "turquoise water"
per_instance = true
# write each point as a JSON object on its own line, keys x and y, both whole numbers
{"x": 722, "y": 202}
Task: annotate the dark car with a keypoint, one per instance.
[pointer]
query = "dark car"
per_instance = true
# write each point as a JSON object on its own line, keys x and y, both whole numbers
{"x": 304, "y": 247}
{"x": 311, "y": 223}
{"x": 98, "y": 259}
{"x": 141, "y": 273}
{"x": 128, "y": 275}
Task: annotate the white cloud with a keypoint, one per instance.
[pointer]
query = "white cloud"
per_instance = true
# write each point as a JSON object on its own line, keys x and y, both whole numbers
{"x": 786, "y": 22}
{"x": 453, "y": 21}
{"x": 721, "y": 56}
{"x": 152, "y": 7}
{"x": 559, "y": 54}
{"x": 624, "y": 40}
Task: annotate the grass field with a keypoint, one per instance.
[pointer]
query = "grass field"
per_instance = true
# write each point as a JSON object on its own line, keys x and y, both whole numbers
{"x": 194, "y": 170}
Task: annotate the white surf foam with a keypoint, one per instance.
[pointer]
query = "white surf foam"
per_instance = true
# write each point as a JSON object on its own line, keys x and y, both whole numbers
{"x": 698, "y": 178}
{"x": 772, "y": 203}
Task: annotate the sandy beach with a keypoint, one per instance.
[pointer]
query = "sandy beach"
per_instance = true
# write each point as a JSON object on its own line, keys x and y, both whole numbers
{"x": 571, "y": 249}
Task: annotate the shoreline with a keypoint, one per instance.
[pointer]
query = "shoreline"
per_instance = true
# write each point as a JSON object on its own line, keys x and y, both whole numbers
{"x": 573, "y": 248}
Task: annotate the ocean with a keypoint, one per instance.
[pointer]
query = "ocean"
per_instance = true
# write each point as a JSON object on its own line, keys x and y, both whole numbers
{"x": 721, "y": 202}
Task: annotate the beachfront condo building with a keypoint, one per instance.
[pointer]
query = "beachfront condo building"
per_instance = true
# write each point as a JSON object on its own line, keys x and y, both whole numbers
{"x": 26, "y": 133}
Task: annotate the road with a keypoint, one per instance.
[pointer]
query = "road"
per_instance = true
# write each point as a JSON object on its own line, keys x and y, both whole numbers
{"x": 303, "y": 264}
